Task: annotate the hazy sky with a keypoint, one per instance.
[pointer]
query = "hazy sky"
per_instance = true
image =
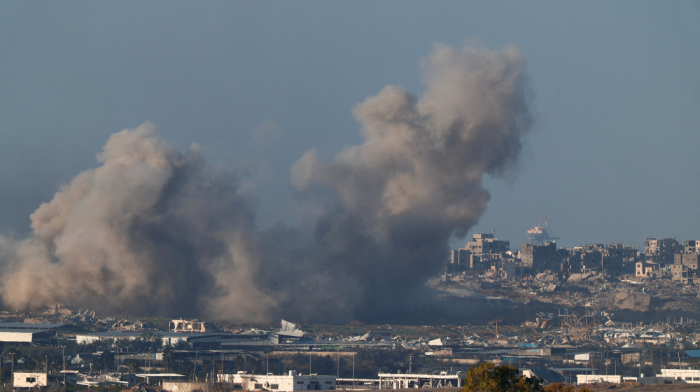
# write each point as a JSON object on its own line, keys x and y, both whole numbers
{"x": 614, "y": 155}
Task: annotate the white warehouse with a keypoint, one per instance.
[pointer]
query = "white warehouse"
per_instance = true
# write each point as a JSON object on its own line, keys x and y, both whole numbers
{"x": 284, "y": 383}
{"x": 690, "y": 376}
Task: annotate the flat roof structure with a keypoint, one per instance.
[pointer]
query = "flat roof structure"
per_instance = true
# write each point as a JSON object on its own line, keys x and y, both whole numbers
{"x": 22, "y": 335}
{"x": 29, "y": 326}
{"x": 169, "y": 338}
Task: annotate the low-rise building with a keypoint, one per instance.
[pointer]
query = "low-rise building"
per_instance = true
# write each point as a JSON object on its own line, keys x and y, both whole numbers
{"x": 167, "y": 338}
{"x": 283, "y": 383}
{"x": 597, "y": 378}
{"x": 29, "y": 380}
{"x": 690, "y": 376}
{"x": 647, "y": 270}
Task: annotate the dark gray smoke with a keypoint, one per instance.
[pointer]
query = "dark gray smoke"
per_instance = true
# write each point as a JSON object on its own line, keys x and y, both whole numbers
{"x": 152, "y": 231}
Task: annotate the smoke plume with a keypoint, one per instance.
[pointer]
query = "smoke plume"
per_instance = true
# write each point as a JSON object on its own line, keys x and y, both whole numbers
{"x": 154, "y": 231}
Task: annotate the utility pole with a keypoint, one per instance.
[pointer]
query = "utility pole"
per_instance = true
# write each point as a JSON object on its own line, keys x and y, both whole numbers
{"x": 410, "y": 363}
{"x": 337, "y": 356}
{"x": 64, "y": 364}
{"x": 353, "y": 371}
{"x": 194, "y": 372}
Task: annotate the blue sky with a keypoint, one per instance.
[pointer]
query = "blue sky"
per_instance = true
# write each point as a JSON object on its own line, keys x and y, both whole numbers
{"x": 613, "y": 156}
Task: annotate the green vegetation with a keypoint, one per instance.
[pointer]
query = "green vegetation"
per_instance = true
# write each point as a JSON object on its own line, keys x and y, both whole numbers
{"x": 487, "y": 377}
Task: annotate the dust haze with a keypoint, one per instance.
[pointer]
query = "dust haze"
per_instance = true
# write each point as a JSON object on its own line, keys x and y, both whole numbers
{"x": 152, "y": 230}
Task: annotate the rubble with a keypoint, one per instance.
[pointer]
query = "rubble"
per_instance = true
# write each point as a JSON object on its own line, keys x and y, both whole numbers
{"x": 632, "y": 301}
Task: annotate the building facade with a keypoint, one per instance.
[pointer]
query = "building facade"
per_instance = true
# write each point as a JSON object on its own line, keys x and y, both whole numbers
{"x": 290, "y": 382}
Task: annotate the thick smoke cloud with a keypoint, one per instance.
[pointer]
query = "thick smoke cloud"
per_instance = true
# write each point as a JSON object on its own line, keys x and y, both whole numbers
{"x": 153, "y": 231}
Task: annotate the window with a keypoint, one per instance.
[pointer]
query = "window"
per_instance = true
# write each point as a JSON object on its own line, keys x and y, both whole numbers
{"x": 300, "y": 382}
{"x": 258, "y": 386}
{"x": 31, "y": 379}
{"x": 274, "y": 386}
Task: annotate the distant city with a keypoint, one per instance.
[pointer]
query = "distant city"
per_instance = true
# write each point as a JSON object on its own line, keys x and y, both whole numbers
{"x": 596, "y": 314}
{"x": 490, "y": 257}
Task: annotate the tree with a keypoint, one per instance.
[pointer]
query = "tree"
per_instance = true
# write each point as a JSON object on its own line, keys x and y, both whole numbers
{"x": 486, "y": 377}
{"x": 481, "y": 378}
{"x": 167, "y": 357}
{"x": 559, "y": 387}
{"x": 133, "y": 365}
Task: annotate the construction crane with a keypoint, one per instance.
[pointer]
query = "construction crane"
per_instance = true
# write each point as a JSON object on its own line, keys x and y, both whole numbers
{"x": 540, "y": 235}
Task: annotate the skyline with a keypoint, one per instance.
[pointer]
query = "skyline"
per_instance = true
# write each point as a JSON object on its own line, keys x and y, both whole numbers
{"x": 614, "y": 87}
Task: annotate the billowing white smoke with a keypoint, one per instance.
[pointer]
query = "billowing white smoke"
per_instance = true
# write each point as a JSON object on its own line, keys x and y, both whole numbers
{"x": 155, "y": 231}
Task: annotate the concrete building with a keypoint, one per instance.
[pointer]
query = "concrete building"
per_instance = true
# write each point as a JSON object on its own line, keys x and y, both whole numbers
{"x": 27, "y": 333}
{"x": 689, "y": 260}
{"x": 486, "y": 243}
{"x": 513, "y": 269}
{"x": 661, "y": 251}
{"x": 690, "y": 376}
{"x": 188, "y": 386}
{"x": 597, "y": 378}
{"x": 191, "y": 326}
{"x": 284, "y": 383}
{"x": 30, "y": 380}
{"x": 647, "y": 270}
{"x": 478, "y": 255}
{"x": 168, "y": 338}
{"x": 691, "y": 246}
{"x": 541, "y": 257}
{"x": 680, "y": 273}
{"x": 26, "y": 336}
{"x": 412, "y": 380}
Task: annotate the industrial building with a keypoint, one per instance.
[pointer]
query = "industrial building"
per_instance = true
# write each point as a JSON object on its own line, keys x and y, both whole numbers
{"x": 27, "y": 333}
{"x": 26, "y": 336}
{"x": 168, "y": 338}
{"x": 412, "y": 380}
{"x": 690, "y": 376}
{"x": 187, "y": 386}
{"x": 284, "y": 383}
{"x": 30, "y": 380}
{"x": 598, "y": 378}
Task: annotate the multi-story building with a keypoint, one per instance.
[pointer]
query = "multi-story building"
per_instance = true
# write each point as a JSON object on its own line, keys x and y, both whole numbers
{"x": 541, "y": 257}
{"x": 680, "y": 273}
{"x": 689, "y": 260}
{"x": 483, "y": 252}
{"x": 486, "y": 243}
{"x": 661, "y": 251}
{"x": 691, "y": 246}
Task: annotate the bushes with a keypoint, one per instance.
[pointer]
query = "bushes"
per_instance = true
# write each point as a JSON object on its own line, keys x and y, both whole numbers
{"x": 486, "y": 377}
